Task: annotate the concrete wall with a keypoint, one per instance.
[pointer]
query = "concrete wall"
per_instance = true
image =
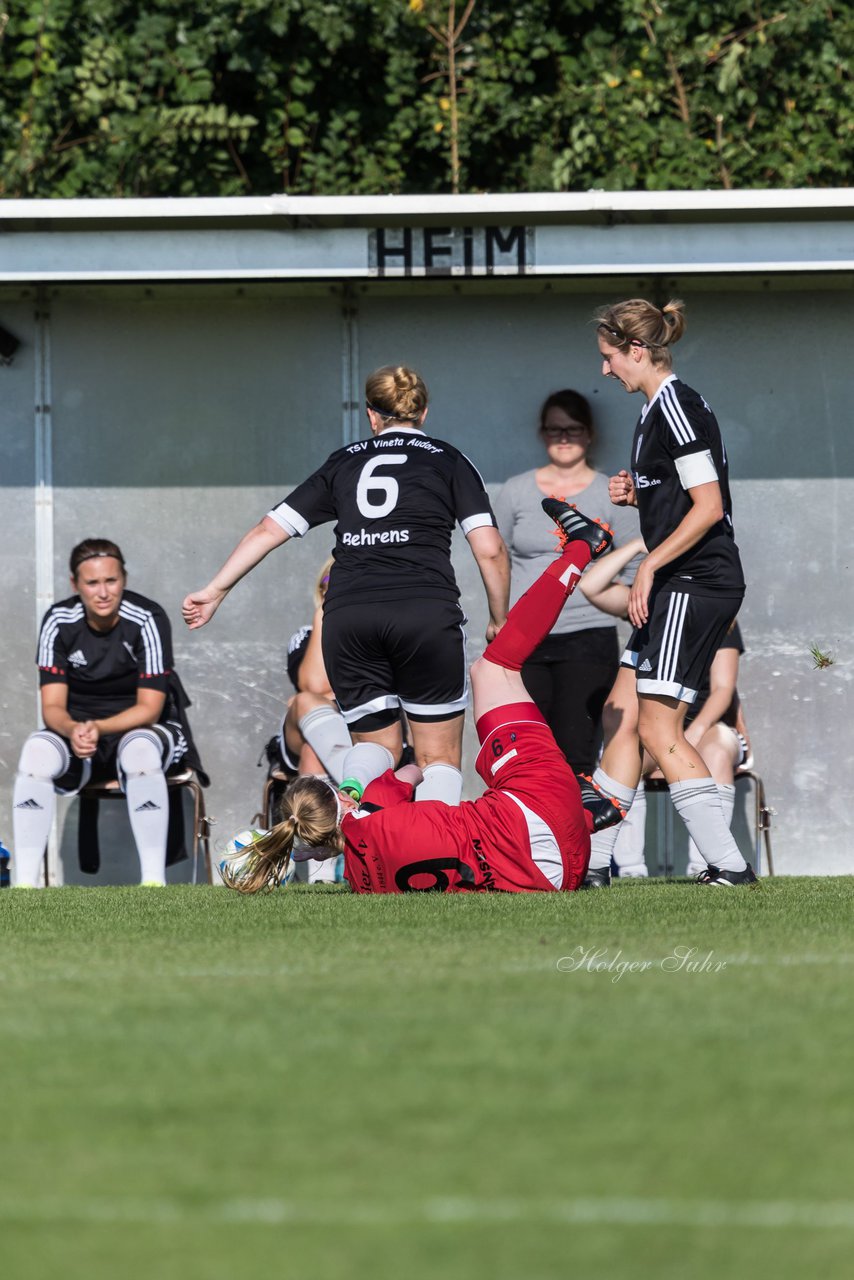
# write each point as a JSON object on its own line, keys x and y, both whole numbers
{"x": 180, "y": 414}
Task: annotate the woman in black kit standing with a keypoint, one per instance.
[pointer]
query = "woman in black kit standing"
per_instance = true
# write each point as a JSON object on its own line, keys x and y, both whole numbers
{"x": 393, "y": 633}
{"x": 686, "y": 592}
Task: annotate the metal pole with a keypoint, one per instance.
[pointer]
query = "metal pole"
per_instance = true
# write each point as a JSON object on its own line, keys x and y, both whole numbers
{"x": 44, "y": 510}
{"x": 350, "y": 397}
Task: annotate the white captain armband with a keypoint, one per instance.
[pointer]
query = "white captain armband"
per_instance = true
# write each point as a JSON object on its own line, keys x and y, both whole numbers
{"x": 696, "y": 468}
{"x": 482, "y": 521}
{"x": 295, "y": 525}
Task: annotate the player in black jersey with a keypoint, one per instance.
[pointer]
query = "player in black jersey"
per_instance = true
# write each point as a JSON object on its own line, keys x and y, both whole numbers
{"x": 112, "y": 707}
{"x": 392, "y": 624}
{"x": 687, "y": 590}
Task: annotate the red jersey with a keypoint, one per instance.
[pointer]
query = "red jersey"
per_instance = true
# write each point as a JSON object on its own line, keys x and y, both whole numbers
{"x": 393, "y": 845}
{"x": 403, "y": 846}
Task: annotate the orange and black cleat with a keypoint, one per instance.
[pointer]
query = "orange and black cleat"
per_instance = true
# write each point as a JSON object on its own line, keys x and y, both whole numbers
{"x": 603, "y": 809}
{"x": 575, "y": 527}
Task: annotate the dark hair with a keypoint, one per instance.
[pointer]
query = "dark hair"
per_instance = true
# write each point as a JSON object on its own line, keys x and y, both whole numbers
{"x": 90, "y": 549}
{"x": 640, "y": 322}
{"x": 573, "y": 404}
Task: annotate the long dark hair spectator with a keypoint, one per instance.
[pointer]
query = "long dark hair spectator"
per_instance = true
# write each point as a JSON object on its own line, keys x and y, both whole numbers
{"x": 574, "y": 405}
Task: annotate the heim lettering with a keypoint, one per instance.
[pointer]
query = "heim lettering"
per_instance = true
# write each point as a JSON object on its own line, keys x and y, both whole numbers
{"x": 450, "y": 251}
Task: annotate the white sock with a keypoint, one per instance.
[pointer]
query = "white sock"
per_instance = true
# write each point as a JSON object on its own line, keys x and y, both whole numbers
{"x": 631, "y": 839}
{"x": 365, "y": 762}
{"x": 441, "y": 782}
{"x": 699, "y": 806}
{"x": 35, "y": 802}
{"x": 696, "y": 862}
{"x": 43, "y": 758}
{"x": 602, "y": 842}
{"x": 147, "y": 796}
{"x": 326, "y": 732}
{"x": 726, "y": 791}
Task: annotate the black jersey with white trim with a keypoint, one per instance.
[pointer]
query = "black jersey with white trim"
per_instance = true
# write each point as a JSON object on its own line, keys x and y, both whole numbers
{"x": 396, "y": 499}
{"x": 677, "y": 446}
{"x": 297, "y": 647}
{"x": 104, "y": 670}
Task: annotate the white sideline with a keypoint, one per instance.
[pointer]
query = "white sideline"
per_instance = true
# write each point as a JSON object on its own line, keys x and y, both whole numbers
{"x": 464, "y": 1211}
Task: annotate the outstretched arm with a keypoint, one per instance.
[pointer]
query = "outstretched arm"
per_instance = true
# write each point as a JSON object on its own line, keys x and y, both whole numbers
{"x": 200, "y": 606}
{"x": 598, "y": 581}
{"x": 490, "y": 553}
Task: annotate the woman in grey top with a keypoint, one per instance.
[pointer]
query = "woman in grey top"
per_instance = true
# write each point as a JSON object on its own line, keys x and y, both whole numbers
{"x": 571, "y": 673}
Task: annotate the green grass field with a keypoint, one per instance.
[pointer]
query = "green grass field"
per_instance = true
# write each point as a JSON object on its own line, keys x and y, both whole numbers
{"x": 313, "y": 1084}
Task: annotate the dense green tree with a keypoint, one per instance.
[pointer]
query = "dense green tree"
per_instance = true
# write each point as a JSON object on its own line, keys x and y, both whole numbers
{"x": 102, "y": 98}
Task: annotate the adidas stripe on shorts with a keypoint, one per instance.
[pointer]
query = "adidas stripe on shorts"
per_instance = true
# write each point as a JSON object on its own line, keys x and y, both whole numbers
{"x": 672, "y": 653}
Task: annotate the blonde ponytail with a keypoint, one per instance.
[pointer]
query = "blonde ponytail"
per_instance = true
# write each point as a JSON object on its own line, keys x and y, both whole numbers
{"x": 643, "y": 323}
{"x": 309, "y": 810}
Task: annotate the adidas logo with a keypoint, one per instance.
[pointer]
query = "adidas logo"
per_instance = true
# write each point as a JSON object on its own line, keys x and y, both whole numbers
{"x": 646, "y": 665}
{"x": 149, "y": 804}
{"x": 29, "y": 804}
{"x": 78, "y": 658}
{"x": 129, "y": 648}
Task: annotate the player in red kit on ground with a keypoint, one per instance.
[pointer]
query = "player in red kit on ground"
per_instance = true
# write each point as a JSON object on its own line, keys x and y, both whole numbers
{"x": 530, "y": 831}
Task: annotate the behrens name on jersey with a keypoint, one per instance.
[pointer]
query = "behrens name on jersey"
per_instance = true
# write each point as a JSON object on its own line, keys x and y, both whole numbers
{"x": 365, "y": 539}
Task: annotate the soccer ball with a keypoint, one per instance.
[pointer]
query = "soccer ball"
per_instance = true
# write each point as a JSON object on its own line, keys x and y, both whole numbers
{"x": 239, "y": 849}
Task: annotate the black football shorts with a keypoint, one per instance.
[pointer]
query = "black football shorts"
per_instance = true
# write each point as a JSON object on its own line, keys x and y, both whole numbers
{"x": 382, "y": 656}
{"x": 672, "y": 653}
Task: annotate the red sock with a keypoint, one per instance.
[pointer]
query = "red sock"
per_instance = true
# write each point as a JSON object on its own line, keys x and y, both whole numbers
{"x": 535, "y": 613}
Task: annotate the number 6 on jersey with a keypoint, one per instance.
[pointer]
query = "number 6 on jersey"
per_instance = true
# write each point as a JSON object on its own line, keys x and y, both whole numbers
{"x": 387, "y": 486}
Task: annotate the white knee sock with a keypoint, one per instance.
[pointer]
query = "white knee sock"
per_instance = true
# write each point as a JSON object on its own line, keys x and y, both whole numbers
{"x": 441, "y": 782}
{"x": 43, "y": 758}
{"x": 147, "y": 795}
{"x": 631, "y": 839}
{"x": 326, "y": 732}
{"x": 602, "y": 842}
{"x": 696, "y": 862}
{"x": 365, "y": 762}
{"x": 699, "y": 806}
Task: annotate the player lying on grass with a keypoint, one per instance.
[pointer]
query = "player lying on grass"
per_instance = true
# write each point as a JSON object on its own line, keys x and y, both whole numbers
{"x": 529, "y": 831}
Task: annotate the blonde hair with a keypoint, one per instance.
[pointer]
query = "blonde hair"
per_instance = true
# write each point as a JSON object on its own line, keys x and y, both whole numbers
{"x": 397, "y": 393}
{"x": 320, "y": 587}
{"x": 640, "y": 322}
{"x": 308, "y": 811}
